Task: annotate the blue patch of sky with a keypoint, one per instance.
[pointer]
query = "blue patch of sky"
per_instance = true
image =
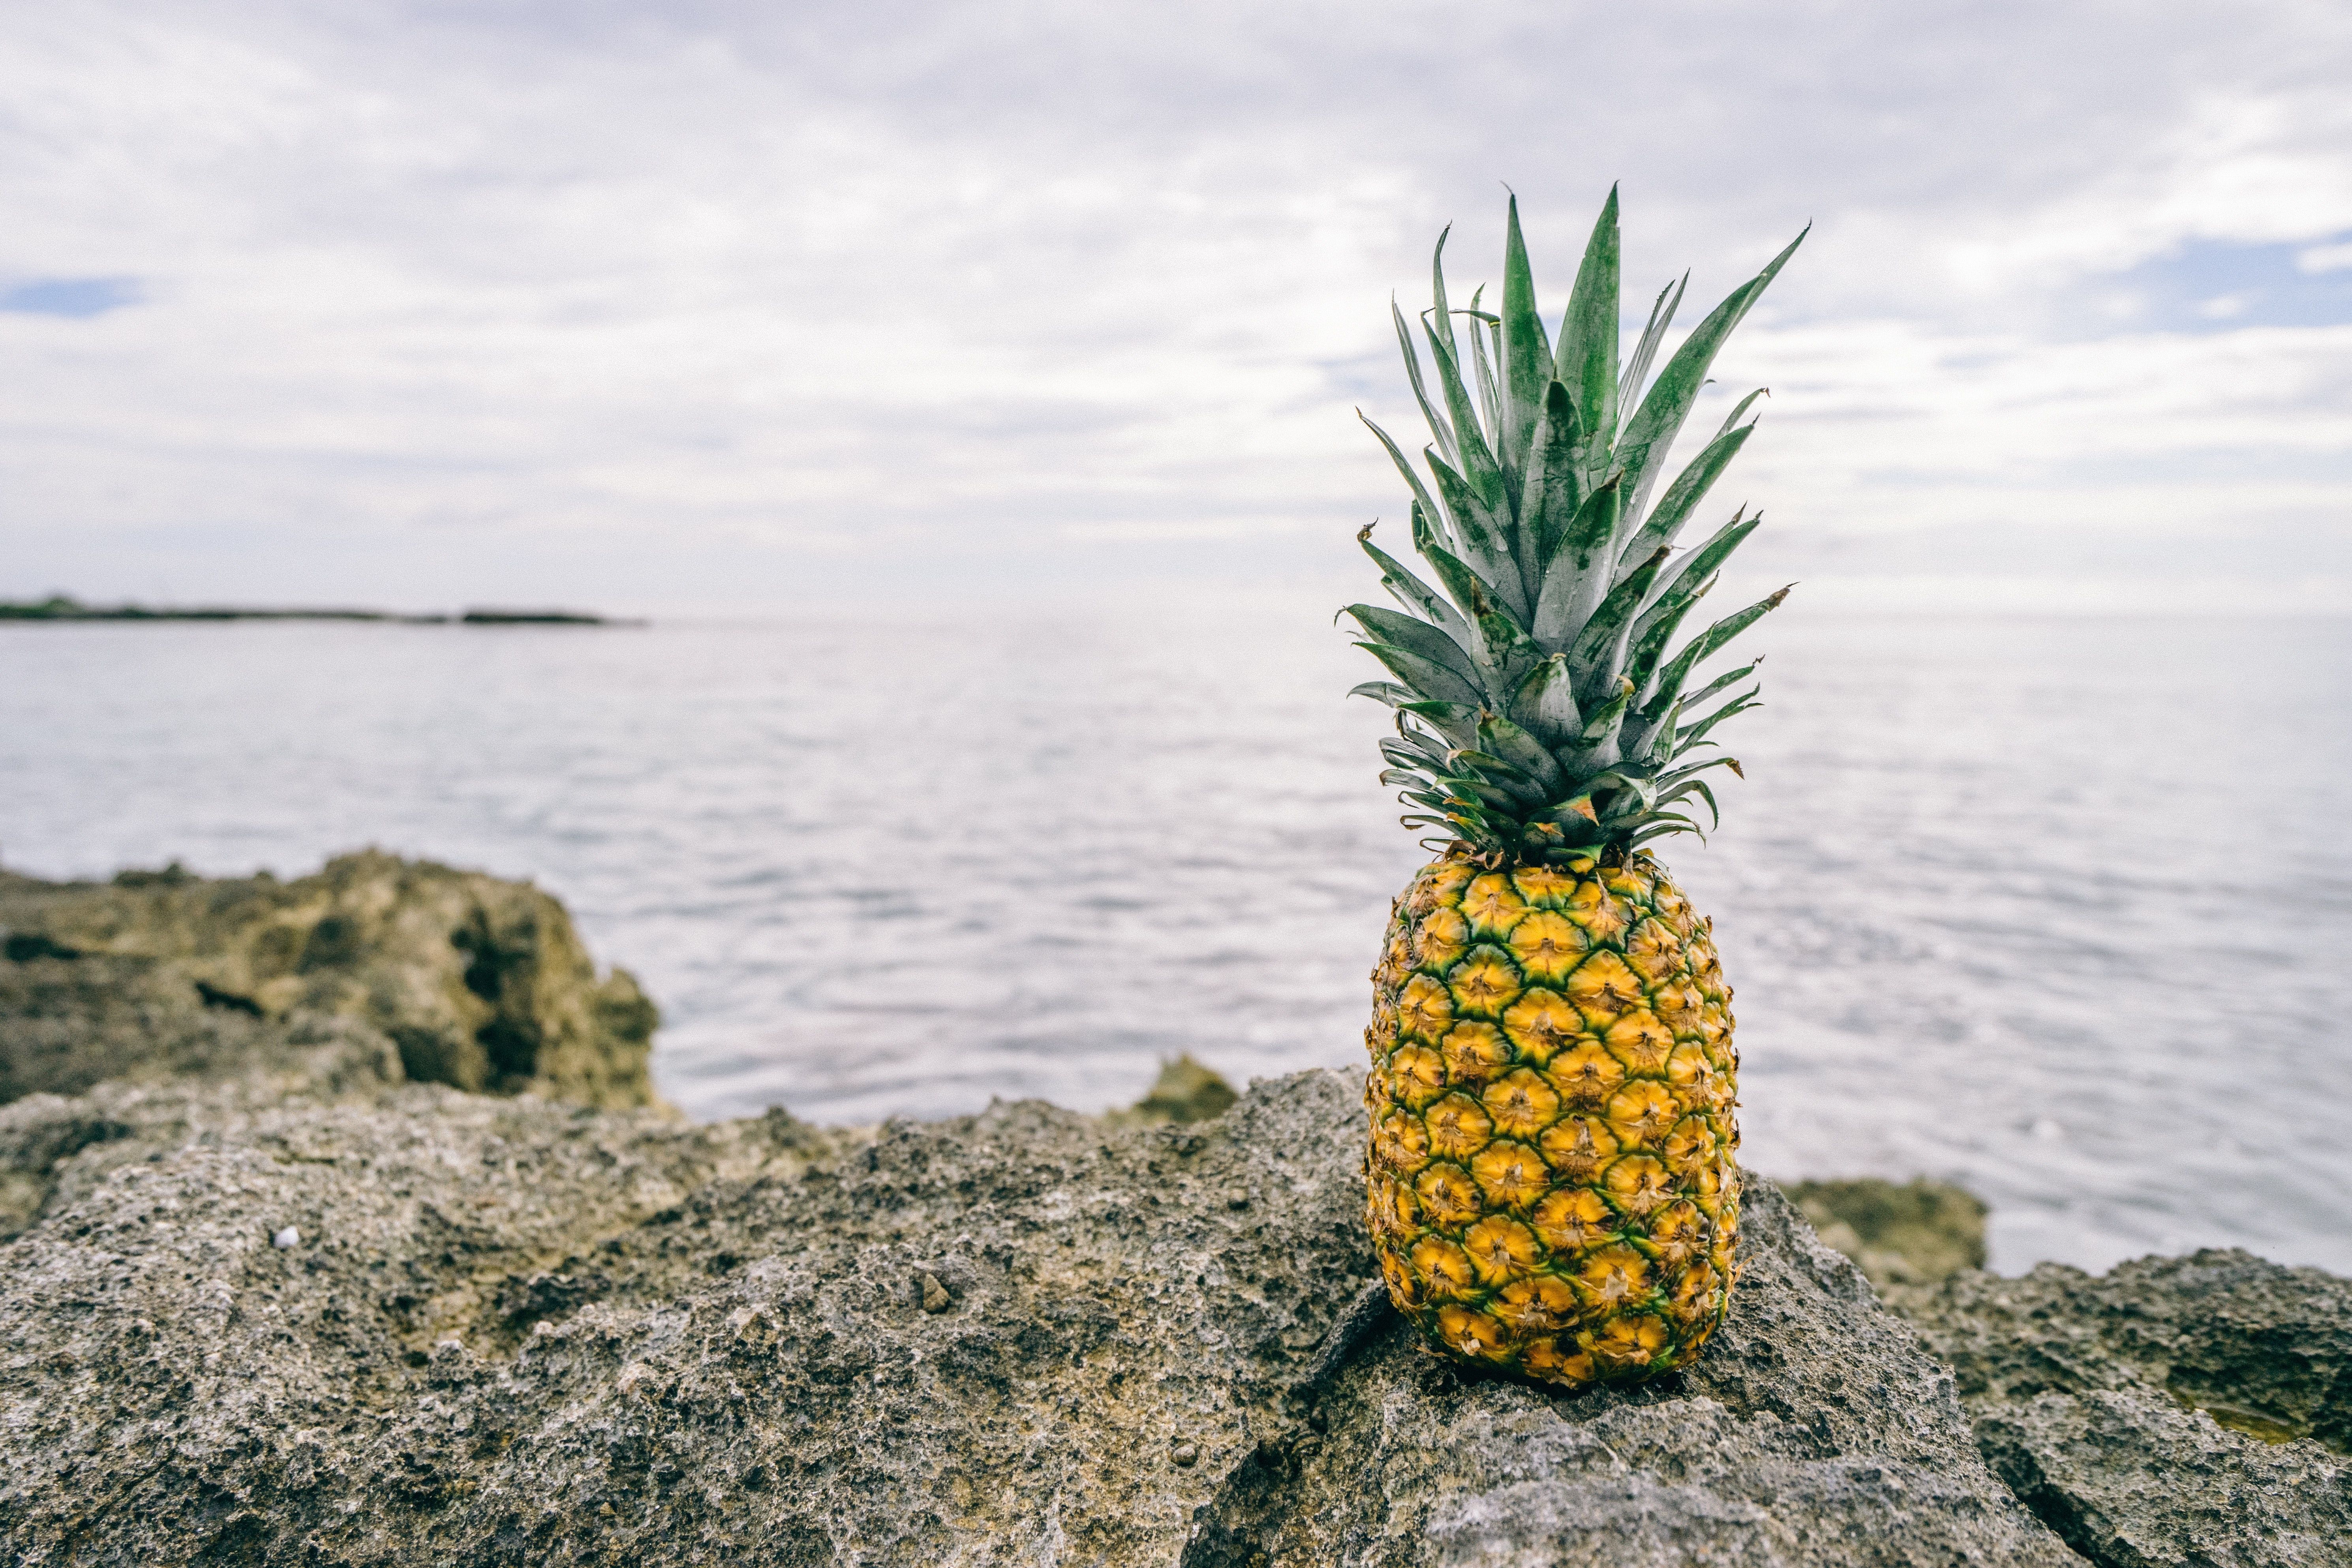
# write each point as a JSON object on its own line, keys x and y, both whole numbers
{"x": 2218, "y": 285}
{"x": 77, "y": 299}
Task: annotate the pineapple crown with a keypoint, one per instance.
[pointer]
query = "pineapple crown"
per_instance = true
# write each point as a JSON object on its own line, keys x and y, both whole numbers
{"x": 1539, "y": 713}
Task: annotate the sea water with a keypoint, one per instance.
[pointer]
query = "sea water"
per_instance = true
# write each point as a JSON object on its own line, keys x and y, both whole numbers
{"x": 2056, "y": 909}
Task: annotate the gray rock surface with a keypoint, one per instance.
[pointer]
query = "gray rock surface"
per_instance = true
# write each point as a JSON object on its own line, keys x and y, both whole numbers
{"x": 514, "y": 1331}
{"x": 271, "y": 1300}
{"x": 464, "y": 979}
{"x": 1811, "y": 1431}
{"x": 2180, "y": 1410}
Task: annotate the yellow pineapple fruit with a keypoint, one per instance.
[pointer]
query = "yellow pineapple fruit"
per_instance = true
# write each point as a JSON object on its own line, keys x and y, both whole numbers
{"x": 1550, "y": 1184}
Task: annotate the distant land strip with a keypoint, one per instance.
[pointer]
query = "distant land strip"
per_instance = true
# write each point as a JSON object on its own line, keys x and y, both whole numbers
{"x": 61, "y": 607}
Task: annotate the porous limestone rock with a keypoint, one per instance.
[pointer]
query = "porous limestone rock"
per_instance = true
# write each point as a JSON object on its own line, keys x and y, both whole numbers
{"x": 2173, "y": 1411}
{"x": 471, "y": 981}
{"x": 1185, "y": 1091}
{"x": 1812, "y": 1430}
{"x": 1902, "y": 1235}
{"x": 513, "y": 1331}
{"x": 271, "y": 1300}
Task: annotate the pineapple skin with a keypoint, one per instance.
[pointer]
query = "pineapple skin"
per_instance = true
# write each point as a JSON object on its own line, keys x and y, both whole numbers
{"x": 1549, "y": 1183}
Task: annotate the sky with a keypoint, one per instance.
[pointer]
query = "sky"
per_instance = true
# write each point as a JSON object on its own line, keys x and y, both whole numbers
{"x": 711, "y": 308}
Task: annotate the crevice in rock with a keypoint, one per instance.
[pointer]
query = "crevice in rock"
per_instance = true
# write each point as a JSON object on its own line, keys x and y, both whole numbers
{"x": 1362, "y": 1318}
{"x": 2080, "y": 1390}
{"x": 1235, "y": 1527}
{"x": 510, "y": 1038}
{"x": 228, "y": 1001}
{"x": 546, "y": 1296}
{"x": 2054, "y": 1507}
{"x": 335, "y": 943}
{"x": 24, "y": 946}
{"x": 28, "y": 1172}
{"x": 485, "y": 965}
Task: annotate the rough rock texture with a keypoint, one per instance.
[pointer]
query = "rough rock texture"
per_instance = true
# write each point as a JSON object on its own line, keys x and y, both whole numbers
{"x": 1902, "y": 1235}
{"x": 1185, "y": 1091}
{"x": 2182, "y": 1410}
{"x": 471, "y": 981}
{"x": 512, "y": 1330}
{"x": 270, "y": 1300}
{"x": 1811, "y": 1431}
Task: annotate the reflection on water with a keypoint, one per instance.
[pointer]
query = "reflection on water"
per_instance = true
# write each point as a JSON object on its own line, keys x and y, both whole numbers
{"x": 2052, "y": 908}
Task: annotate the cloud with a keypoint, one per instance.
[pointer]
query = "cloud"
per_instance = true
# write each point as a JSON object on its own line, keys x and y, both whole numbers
{"x": 2325, "y": 258}
{"x": 710, "y": 303}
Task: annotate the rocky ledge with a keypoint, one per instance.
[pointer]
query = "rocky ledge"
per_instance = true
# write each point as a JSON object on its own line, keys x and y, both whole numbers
{"x": 412, "y": 971}
{"x": 275, "y": 1300}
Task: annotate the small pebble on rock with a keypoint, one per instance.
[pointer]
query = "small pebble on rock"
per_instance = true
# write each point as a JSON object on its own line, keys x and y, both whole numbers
{"x": 935, "y": 1295}
{"x": 1184, "y": 1454}
{"x": 290, "y": 1237}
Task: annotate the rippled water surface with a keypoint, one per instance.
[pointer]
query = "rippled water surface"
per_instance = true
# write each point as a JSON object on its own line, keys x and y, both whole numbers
{"x": 2058, "y": 909}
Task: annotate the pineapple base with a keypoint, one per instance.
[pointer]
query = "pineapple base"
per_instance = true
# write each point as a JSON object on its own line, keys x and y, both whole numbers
{"x": 1550, "y": 1184}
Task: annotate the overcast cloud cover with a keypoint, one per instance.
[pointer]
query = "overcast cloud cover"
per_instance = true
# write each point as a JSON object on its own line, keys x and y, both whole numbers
{"x": 736, "y": 308}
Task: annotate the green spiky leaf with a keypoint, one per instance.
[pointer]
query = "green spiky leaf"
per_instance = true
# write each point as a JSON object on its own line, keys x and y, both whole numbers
{"x": 1544, "y": 703}
{"x": 1527, "y": 354}
{"x": 1539, "y": 699}
{"x": 1576, "y": 572}
{"x": 1587, "y": 362}
{"x": 1482, "y": 531}
{"x": 1654, "y": 332}
{"x": 1598, "y": 650}
{"x": 1435, "y": 681}
{"x": 1441, "y": 430}
{"x": 1410, "y": 590}
{"x": 1681, "y": 498}
{"x": 1417, "y": 636}
{"x": 1653, "y": 429}
{"x": 1514, "y": 745}
{"x": 1554, "y": 488}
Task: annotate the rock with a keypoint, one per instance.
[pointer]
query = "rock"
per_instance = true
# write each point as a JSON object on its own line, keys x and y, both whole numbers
{"x": 402, "y": 969}
{"x": 2184, "y": 1410}
{"x": 1185, "y": 1091}
{"x": 271, "y": 1300}
{"x": 515, "y": 1332}
{"x": 1900, "y": 1234}
{"x": 1812, "y": 1430}
{"x": 2132, "y": 1481}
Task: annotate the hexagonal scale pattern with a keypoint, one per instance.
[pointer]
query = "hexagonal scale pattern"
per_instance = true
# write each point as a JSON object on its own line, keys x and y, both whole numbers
{"x": 1551, "y": 1183}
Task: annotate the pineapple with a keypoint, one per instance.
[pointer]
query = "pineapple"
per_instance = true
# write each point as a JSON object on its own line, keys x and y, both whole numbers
{"x": 1550, "y": 1184}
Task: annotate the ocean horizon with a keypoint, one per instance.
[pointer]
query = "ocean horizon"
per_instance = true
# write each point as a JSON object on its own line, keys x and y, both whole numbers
{"x": 2050, "y": 906}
